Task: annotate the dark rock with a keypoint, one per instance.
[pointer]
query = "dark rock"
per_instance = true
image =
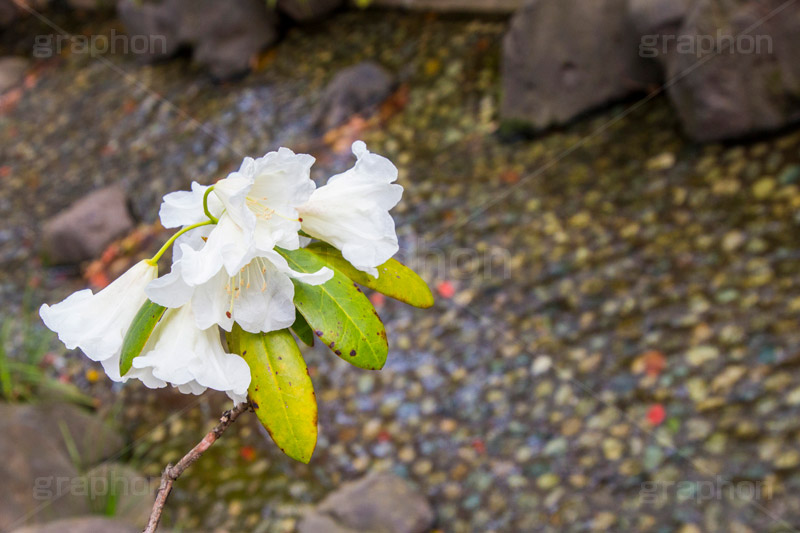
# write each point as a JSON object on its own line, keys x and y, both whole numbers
{"x": 8, "y": 13}
{"x": 224, "y": 36}
{"x": 752, "y": 84}
{"x": 83, "y": 230}
{"x": 308, "y": 10}
{"x": 38, "y": 477}
{"x": 12, "y": 71}
{"x": 562, "y": 58}
{"x": 464, "y": 6}
{"x": 159, "y": 22}
{"x": 91, "y": 5}
{"x": 92, "y": 440}
{"x": 356, "y": 89}
{"x": 379, "y": 503}
{"x": 88, "y": 524}
{"x": 653, "y": 17}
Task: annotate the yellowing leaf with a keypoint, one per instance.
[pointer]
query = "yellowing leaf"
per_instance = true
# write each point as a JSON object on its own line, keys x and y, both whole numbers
{"x": 280, "y": 389}
{"x": 394, "y": 278}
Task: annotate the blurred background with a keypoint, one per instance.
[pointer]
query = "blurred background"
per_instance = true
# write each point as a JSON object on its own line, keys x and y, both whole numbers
{"x": 603, "y": 195}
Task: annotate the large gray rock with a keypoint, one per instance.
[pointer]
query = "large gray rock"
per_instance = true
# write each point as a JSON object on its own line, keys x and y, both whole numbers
{"x": 752, "y": 84}
{"x": 308, "y": 10}
{"x": 356, "y": 89}
{"x": 562, "y": 58}
{"x": 224, "y": 36}
{"x": 378, "y": 503}
{"x": 653, "y": 17}
{"x": 72, "y": 430}
{"x": 38, "y": 478}
{"x": 88, "y": 524}
{"x": 84, "y": 229}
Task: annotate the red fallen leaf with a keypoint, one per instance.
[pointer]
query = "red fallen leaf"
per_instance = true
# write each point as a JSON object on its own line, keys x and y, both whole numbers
{"x": 98, "y": 279}
{"x": 395, "y": 103}
{"x": 656, "y": 414}
{"x": 509, "y": 177}
{"x": 110, "y": 253}
{"x": 384, "y": 436}
{"x": 479, "y": 446}
{"x": 651, "y": 363}
{"x": 446, "y": 289}
{"x": 377, "y": 299}
{"x": 654, "y": 363}
{"x": 5, "y": 171}
{"x": 248, "y": 453}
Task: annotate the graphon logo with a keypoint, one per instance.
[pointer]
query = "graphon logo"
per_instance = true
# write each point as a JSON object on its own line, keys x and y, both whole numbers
{"x": 96, "y": 486}
{"x": 49, "y": 45}
{"x": 701, "y": 491}
{"x": 653, "y": 45}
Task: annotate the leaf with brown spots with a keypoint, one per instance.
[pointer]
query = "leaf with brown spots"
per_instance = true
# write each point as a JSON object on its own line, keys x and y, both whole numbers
{"x": 339, "y": 314}
{"x": 280, "y": 389}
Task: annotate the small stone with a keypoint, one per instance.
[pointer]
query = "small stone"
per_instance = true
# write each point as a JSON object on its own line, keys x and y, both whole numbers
{"x": 663, "y": 161}
{"x": 729, "y": 376}
{"x": 547, "y": 481}
{"x": 763, "y": 188}
{"x": 698, "y": 355}
{"x": 697, "y": 389}
{"x": 733, "y": 240}
{"x": 787, "y": 460}
{"x": 603, "y": 521}
{"x": 612, "y": 449}
{"x": 793, "y": 398}
{"x": 541, "y": 364}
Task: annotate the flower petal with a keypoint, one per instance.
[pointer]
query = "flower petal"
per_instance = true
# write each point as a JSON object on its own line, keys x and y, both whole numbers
{"x": 184, "y": 208}
{"x": 97, "y": 323}
{"x": 351, "y": 211}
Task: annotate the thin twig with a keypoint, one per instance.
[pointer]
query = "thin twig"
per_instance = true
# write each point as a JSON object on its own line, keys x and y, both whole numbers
{"x": 171, "y": 473}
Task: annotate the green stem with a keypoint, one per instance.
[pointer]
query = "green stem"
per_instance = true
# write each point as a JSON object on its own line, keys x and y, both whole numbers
{"x": 154, "y": 260}
{"x": 211, "y": 217}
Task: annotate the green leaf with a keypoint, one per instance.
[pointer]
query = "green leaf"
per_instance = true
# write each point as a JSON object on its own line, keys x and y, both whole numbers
{"x": 302, "y": 329}
{"x": 339, "y": 313}
{"x": 395, "y": 280}
{"x": 138, "y": 334}
{"x": 280, "y": 389}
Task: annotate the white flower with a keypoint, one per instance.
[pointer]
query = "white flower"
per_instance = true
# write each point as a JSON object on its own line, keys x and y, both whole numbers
{"x": 184, "y": 208}
{"x": 258, "y": 211}
{"x": 97, "y": 323}
{"x": 351, "y": 211}
{"x": 191, "y": 359}
{"x": 259, "y": 297}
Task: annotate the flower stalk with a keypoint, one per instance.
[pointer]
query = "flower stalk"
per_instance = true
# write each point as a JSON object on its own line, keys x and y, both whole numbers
{"x": 154, "y": 260}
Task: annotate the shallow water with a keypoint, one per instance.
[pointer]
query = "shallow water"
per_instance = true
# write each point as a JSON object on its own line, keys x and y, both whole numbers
{"x": 598, "y": 273}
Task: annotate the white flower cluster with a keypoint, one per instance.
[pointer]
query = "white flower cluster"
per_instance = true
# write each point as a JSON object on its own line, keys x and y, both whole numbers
{"x": 226, "y": 268}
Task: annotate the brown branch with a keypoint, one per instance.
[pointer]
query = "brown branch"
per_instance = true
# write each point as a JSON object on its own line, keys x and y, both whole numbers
{"x": 171, "y": 473}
